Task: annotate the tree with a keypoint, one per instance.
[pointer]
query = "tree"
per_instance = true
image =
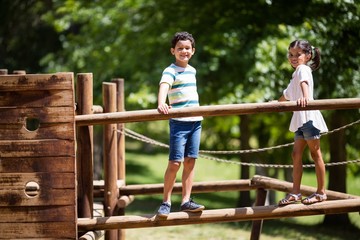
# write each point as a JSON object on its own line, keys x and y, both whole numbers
{"x": 25, "y": 38}
{"x": 240, "y": 57}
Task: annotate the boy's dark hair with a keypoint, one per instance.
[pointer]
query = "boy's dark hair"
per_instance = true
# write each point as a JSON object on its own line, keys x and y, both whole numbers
{"x": 181, "y": 36}
{"x": 306, "y": 47}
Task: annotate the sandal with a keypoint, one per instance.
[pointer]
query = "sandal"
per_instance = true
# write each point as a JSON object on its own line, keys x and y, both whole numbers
{"x": 289, "y": 199}
{"x": 314, "y": 198}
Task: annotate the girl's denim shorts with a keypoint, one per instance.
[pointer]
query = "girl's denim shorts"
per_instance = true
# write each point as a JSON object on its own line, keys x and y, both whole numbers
{"x": 184, "y": 139}
{"x": 307, "y": 132}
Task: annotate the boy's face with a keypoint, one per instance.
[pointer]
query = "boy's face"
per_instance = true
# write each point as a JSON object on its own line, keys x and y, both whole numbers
{"x": 183, "y": 51}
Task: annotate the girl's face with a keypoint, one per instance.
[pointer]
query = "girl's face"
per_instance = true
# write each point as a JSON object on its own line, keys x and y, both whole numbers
{"x": 297, "y": 57}
{"x": 183, "y": 51}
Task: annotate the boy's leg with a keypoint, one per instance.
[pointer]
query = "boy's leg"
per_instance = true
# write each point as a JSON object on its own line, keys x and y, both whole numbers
{"x": 187, "y": 178}
{"x": 169, "y": 179}
{"x": 187, "y": 204}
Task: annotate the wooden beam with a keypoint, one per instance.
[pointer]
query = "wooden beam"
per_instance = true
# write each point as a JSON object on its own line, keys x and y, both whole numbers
{"x": 215, "y": 110}
{"x": 220, "y": 215}
{"x": 198, "y": 187}
{"x": 284, "y": 186}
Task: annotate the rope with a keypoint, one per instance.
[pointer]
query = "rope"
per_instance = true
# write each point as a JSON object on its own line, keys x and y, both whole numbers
{"x": 145, "y": 139}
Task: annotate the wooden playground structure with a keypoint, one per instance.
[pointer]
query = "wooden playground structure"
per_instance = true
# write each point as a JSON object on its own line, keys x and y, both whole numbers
{"x": 47, "y": 188}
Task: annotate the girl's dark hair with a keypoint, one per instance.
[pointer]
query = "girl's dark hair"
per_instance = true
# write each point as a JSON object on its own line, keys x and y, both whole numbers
{"x": 181, "y": 36}
{"x": 306, "y": 47}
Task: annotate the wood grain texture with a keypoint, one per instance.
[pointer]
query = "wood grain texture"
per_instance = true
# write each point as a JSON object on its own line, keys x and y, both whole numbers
{"x": 37, "y": 157}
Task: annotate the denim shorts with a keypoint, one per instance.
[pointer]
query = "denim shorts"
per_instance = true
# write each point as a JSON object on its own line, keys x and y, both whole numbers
{"x": 307, "y": 132}
{"x": 184, "y": 139}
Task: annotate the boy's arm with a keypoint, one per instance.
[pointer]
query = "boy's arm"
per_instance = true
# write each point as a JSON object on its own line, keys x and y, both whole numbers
{"x": 162, "y": 105}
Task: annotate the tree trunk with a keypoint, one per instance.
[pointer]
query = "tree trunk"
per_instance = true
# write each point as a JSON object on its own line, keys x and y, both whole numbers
{"x": 244, "y": 196}
{"x": 337, "y": 174}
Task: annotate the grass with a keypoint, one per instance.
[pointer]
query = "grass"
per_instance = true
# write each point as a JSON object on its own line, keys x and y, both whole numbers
{"x": 149, "y": 168}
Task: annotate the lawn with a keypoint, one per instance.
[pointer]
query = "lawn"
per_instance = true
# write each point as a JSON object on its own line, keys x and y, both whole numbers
{"x": 149, "y": 168}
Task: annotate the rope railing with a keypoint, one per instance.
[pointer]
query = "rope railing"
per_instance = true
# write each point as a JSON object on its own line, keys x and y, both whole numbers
{"x": 140, "y": 137}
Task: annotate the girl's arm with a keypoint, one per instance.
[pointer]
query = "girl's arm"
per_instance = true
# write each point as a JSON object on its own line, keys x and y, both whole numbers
{"x": 303, "y": 101}
{"x": 162, "y": 105}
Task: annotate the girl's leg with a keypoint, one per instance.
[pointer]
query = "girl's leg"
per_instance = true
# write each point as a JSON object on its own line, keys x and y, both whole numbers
{"x": 297, "y": 154}
{"x": 187, "y": 178}
{"x": 314, "y": 147}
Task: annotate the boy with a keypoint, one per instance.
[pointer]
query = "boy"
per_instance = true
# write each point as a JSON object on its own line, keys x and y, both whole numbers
{"x": 178, "y": 83}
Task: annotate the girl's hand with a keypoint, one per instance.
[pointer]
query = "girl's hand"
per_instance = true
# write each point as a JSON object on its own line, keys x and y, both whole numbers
{"x": 163, "y": 108}
{"x": 302, "y": 102}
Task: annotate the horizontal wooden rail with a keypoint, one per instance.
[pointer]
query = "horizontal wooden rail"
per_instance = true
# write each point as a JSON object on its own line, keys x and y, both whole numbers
{"x": 198, "y": 187}
{"x": 216, "y": 110}
{"x": 220, "y": 215}
{"x": 284, "y": 186}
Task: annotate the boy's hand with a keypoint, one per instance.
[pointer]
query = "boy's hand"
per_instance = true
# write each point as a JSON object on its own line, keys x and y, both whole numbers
{"x": 163, "y": 108}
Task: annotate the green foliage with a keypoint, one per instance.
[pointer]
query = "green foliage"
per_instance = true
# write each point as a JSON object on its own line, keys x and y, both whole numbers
{"x": 240, "y": 53}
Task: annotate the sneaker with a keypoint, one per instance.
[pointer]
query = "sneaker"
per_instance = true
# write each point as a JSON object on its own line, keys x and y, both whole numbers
{"x": 164, "y": 209}
{"x": 191, "y": 206}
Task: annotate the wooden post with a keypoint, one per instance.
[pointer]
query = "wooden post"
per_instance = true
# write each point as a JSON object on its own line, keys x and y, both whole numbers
{"x": 85, "y": 146}
{"x": 120, "y": 103}
{"x": 257, "y": 224}
{"x": 110, "y": 157}
{"x": 121, "y": 171}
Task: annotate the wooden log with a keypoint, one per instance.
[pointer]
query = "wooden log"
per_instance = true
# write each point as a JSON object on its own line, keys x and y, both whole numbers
{"x": 284, "y": 186}
{"x": 217, "y": 110}
{"x": 256, "y": 227}
{"x": 125, "y": 201}
{"x": 198, "y": 187}
{"x": 97, "y": 109}
{"x": 120, "y": 105}
{"x": 110, "y": 157}
{"x": 121, "y": 171}
{"x": 19, "y": 72}
{"x": 221, "y": 215}
{"x": 85, "y": 146}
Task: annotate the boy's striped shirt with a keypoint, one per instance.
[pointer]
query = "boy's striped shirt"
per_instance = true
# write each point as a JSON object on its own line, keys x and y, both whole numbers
{"x": 183, "y": 91}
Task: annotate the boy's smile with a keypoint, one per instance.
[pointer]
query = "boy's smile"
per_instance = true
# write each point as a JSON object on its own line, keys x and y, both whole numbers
{"x": 183, "y": 51}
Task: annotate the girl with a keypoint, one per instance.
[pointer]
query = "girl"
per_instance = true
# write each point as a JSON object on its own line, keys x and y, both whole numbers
{"x": 307, "y": 125}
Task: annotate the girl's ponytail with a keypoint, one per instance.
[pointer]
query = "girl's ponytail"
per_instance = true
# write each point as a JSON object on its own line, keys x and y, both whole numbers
{"x": 315, "y": 58}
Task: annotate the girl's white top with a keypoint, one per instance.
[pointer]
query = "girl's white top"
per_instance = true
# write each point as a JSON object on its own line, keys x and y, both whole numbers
{"x": 293, "y": 92}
